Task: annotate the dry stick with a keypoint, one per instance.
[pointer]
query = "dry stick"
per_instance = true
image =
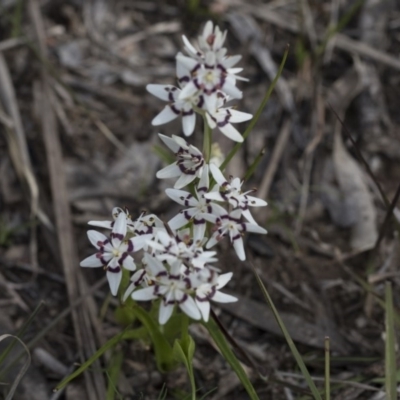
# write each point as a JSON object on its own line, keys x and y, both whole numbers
{"x": 290, "y": 23}
{"x": 83, "y": 332}
{"x": 276, "y": 156}
{"x": 18, "y": 149}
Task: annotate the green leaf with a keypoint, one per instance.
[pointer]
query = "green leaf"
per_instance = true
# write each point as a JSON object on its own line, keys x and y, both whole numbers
{"x": 390, "y": 346}
{"x": 289, "y": 340}
{"x": 113, "y": 374}
{"x": 162, "y": 349}
{"x": 110, "y": 344}
{"x": 230, "y": 357}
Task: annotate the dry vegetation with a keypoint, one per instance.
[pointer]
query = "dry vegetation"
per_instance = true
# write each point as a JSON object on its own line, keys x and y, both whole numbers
{"x": 76, "y": 140}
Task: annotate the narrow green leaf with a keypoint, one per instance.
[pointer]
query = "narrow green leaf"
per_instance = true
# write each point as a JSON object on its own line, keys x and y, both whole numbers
{"x": 254, "y": 165}
{"x": 258, "y": 112}
{"x": 390, "y": 346}
{"x": 20, "y": 333}
{"x": 289, "y": 340}
{"x": 113, "y": 374}
{"x": 110, "y": 344}
{"x": 230, "y": 357}
{"x": 162, "y": 349}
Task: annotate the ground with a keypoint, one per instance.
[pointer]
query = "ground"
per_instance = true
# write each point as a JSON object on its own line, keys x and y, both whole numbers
{"x": 76, "y": 140}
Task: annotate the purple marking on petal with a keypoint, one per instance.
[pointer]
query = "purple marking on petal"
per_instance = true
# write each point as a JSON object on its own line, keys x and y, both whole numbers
{"x": 115, "y": 270}
{"x": 199, "y": 221}
{"x": 174, "y": 109}
{"x": 122, "y": 258}
{"x": 130, "y": 246}
{"x": 236, "y": 237}
{"x": 117, "y": 236}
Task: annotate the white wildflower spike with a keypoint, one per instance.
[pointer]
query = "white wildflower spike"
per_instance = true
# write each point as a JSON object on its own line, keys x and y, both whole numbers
{"x": 232, "y": 192}
{"x": 189, "y": 165}
{"x": 200, "y": 209}
{"x": 231, "y": 224}
{"x": 113, "y": 253}
{"x": 173, "y": 290}
{"x": 208, "y": 283}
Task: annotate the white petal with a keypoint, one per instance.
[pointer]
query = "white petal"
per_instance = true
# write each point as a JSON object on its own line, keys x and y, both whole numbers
{"x": 249, "y": 217}
{"x": 169, "y": 142}
{"x": 188, "y": 123}
{"x": 92, "y": 262}
{"x": 188, "y": 45}
{"x": 165, "y": 312}
{"x": 231, "y": 61}
{"x": 199, "y": 231}
{"x": 214, "y": 196}
{"x": 119, "y": 230}
{"x": 129, "y": 264}
{"x": 239, "y": 116}
{"x": 189, "y": 307}
{"x": 255, "y": 228}
{"x": 178, "y": 221}
{"x": 231, "y": 90}
{"x": 238, "y": 246}
{"x": 160, "y": 91}
{"x": 114, "y": 279}
{"x": 231, "y": 132}
{"x": 165, "y": 116}
{"x": 224, "y": 279}
{"x": 217, "y": 174}
{"x": 223, "y": 297}
{"x": 184, "y": 180}
{"x": 188, "y": 62}
{"x": 212, "y": 241}
{"x": 189, "y": 90}
{"x": 96, "y": 238}
{"x": 171, "y": 171}
{"x": 181, "y": 197}
{"x": 128, "y": 291}
{"x": 204, "y": 179}
{"x": 144, "y": 294}
{"x": 256, "y": 202}
{"x": 101, "y": 224}
{"x": 211, "y": 123}
{"x": 204, "y": 307}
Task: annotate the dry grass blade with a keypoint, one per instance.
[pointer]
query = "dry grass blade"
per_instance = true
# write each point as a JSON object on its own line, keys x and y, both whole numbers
{"x": 82, "y": 318}
{"x": 18, "y": 150}
{"x": 24, "y": 368}
{"x": 390, "y": 346}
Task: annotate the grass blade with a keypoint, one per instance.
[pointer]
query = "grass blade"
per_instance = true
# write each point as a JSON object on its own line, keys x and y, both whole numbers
{"x": 230, "y": 357}
{"x": 289, "y": 340}
{"x": 327, "y": 369}
{"x": 390, "y": 349}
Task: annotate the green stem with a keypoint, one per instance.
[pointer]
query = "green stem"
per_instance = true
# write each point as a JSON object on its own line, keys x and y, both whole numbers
{"x": 207, "y": 140}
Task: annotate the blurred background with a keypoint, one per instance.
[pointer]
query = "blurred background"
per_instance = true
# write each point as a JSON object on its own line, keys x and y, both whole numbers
{"x": 76, "y": 140}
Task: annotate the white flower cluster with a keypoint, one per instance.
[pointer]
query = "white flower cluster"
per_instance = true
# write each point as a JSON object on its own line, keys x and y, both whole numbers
{"x": 176, "y": 265}
{"x": 206, "y": 82}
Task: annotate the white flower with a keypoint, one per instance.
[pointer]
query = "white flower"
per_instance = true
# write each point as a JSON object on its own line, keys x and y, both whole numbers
{"x": 189, "y": 164}
{"x": 113, "y": 253}
{"x": 209, "y": 77}
{"x": 211, "y": 39}
{"x": 181, "y": 252}
{"x": 173, "y": 290}
{"x": 208, "y": 283}
{"x": 232, "y": 192}
{"x": 176, "y": 107}
{"x": 231, "y": 224}
{"x": 200, "y": 209}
